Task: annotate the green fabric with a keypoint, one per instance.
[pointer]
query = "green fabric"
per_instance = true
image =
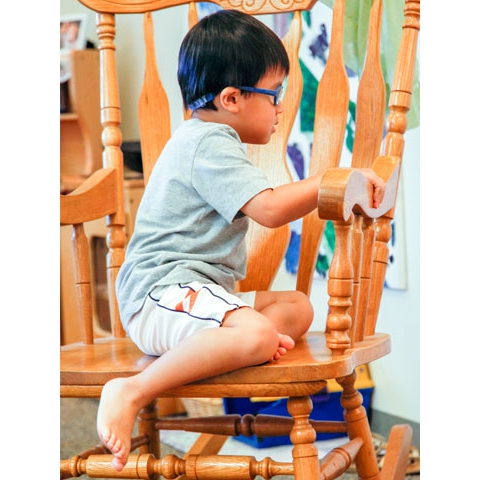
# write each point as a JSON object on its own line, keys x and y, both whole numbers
{"x": 356, "y": 31}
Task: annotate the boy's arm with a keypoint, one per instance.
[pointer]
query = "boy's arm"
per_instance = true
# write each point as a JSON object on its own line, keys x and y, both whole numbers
{"x": 289, "y": 202}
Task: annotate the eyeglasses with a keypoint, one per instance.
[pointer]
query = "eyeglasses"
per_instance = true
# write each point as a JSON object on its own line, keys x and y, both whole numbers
{"x": 277, "y": 95}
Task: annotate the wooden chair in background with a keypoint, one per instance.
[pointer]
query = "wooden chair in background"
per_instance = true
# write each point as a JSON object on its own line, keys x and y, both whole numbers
{"x": 356, "y": 274}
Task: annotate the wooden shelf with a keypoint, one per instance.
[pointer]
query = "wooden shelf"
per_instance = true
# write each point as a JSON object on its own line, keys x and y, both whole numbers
{"x": 80, "y": 128}
{"x": 68, "y": 117}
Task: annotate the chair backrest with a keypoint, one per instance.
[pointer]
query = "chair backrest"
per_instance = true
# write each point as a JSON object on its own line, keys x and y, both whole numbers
{"x": 366, "y": 266}
{"x": 100, "y": 196}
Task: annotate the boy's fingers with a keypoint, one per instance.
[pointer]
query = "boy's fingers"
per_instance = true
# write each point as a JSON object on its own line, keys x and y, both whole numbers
{"x": 378, "y": 193}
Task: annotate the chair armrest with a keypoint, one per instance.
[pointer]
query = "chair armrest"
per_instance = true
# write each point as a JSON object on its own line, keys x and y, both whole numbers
{"x": 95, "y": 198}
{"x": 344, "y": 191}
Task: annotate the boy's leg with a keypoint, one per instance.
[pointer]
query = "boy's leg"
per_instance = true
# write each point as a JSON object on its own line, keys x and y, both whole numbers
{"x": 246, "y": 338}
{"x": 290, "y": 311}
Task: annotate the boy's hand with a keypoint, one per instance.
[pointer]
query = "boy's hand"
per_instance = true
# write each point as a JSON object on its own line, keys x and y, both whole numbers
{"x": 378, "y": 186}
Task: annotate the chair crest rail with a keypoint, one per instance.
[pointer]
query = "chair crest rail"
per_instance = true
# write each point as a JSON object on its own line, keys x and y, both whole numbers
{"x": 254, "y": 7}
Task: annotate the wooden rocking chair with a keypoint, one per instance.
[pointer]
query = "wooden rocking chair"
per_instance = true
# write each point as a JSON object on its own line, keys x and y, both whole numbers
{"x": 355, "y": 277}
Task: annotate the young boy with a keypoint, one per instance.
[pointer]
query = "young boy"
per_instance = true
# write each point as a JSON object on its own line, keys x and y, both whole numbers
{"x": 176, "y": 288}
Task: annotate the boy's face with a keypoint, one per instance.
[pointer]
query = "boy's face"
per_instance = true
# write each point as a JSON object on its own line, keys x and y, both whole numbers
{"x": 256, "y": 121}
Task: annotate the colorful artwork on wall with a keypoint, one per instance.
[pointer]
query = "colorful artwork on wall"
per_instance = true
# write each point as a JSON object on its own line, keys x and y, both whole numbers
{"x": 313, "y": 55}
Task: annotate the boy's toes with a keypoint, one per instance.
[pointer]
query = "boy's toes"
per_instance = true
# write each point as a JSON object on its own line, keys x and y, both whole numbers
{"x": 118, "y": 464}
{"x": 113, "y": 444}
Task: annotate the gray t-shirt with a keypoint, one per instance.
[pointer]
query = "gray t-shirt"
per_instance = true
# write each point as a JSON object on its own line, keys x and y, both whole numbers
{"x": 189, "y": 226}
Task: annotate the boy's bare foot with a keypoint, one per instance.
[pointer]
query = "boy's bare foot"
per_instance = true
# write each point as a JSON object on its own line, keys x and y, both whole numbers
{"x": 115, "y": 419}
{"x": 285, "y": 343}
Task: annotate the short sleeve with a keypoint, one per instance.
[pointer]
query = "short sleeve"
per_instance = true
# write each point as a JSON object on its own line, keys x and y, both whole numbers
{"x": 223, "y": 175}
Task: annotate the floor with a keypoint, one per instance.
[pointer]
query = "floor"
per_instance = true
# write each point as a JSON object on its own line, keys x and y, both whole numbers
{"x": 77, "y": 424}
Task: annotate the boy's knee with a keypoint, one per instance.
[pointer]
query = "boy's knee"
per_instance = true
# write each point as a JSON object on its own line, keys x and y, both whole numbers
{"x": 304, "y": 305}
{"x": 304, "y": 312}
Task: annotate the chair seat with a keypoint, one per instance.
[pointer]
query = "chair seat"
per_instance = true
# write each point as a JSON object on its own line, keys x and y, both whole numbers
{"x": 87, "y": 368}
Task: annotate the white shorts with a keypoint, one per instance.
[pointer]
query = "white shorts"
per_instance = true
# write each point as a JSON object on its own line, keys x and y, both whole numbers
{"x": 175, "y": 312}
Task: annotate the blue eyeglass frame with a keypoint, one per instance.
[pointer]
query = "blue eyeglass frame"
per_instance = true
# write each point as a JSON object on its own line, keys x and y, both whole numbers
{"x": 276, "y": 94}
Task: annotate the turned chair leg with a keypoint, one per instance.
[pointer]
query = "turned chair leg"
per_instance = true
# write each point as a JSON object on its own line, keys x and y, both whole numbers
{"x": 357, "y": 426}
{"x": 147, "y": 418}
{"x": 303, "y": 436}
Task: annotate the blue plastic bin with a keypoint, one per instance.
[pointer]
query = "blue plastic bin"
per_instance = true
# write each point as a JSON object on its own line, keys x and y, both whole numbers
{"x": 326, "y": 406}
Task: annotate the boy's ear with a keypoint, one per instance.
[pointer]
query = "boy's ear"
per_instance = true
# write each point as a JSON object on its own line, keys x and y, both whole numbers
{"x": 229, "y": 99}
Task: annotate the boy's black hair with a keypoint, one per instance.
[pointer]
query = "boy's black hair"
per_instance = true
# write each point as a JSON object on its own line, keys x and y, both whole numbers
{"x": 227, "y": 48}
